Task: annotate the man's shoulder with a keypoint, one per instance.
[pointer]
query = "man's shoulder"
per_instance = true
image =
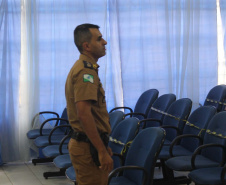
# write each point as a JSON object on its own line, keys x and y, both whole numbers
{"x": 83, "y": 64}
{"x": 82, "y": 67}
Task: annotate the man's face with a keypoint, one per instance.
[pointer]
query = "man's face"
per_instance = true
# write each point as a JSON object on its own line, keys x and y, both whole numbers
{"x": 97, "y": 44}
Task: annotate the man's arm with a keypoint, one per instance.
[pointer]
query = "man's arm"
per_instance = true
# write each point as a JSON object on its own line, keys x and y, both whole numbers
{"x": 90, "y": 129}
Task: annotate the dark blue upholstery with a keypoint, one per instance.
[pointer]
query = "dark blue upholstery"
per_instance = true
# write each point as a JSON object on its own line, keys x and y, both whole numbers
{"x": 52, "y": 151}
{"x": 142, "y": 153}
{"x": 175, "y": 121}
{"x": 143, "y": 104}
{"x": 208, "y": 176}
{"x": 216, "y": 94}
{"x": 70, "y": 173}
{"x": 42, "y": 131}
{"x": 62, "y": 161}
{"x": 162, "y": 103}
{"x": 115, "y": 117}
{"x": 210, "y": 155}
{"x": 125, "y": 131}
{"x": 43, "y": 141}
{"x": 187, "y": 143}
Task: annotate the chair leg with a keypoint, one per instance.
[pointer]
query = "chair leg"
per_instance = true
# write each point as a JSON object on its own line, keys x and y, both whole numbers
{"x": 168, "y": 177}
{"x": 54, "y": 174}
{"x": 41, "y": 160}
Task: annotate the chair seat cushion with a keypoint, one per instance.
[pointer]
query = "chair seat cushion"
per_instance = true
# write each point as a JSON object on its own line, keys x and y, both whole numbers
{"x": 32, "y": 134}
{"x": 62, "y": 161}
{"x": 177, "y": 151}
{"x": 70, "y": 173}
{"x": 42, "y": 141}
{"x": 121, "y": 180}
{"x": 183, "y": 163}
{"x": 167, "y": 142}
{"x": 206, "y": 176}
{"x": 53, "y": 150}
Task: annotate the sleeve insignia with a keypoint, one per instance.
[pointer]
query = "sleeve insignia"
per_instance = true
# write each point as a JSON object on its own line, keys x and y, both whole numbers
{"x": 88, "y": 78}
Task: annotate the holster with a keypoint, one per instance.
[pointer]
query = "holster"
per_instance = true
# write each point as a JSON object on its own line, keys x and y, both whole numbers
{"x": 79, "y": 136}
{"x": 93, "y": 151}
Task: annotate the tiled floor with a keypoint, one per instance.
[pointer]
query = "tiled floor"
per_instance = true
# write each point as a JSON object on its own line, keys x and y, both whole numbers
{"x": 28, "y": 174}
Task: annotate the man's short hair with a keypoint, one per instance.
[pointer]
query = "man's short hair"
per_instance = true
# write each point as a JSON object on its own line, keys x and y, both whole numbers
{"x": 82, "y": 34}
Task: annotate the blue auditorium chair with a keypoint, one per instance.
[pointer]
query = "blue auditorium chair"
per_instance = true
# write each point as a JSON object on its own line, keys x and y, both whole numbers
{"x": 52, "y": 139}
{"x": 42, "y": 131}
{"x": 114, "y": 118}
{"x": 211, "y": 154}
{"x": 216, "y": 97}
{"x": 209, "y": 176}
{"x": 189, "y": 140}
{"x": 143, "y": 104}
{"x": 155, "y": 116}
{"x": 139, "y": 165}
{"x": 174, "y": 119}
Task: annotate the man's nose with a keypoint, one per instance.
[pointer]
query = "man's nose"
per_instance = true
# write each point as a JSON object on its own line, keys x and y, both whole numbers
{"x": 105, "y": 42}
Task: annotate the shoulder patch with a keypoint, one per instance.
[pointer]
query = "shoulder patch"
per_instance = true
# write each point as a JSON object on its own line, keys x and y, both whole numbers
{"x": 87, "y": 64}
{"x": 88, "y": 78}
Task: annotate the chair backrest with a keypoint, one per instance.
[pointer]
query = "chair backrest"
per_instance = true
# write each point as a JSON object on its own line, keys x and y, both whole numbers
{"x": 215, "y": 133}
{"x": 162, "y": 103}
{"x": 115, "y": 117}
{"x": 216, "y": 96}
{"x": 64, "y": 116}
{"x": 143, "y": 152}
{"x": 196, "y": 125}
{"x": 145, "y": 102}
{"x": 176, "y": 116}
{"x": 124, "y": 132}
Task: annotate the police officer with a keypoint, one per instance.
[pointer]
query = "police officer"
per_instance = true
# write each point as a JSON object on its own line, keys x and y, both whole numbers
{"x": 87, "y": 113}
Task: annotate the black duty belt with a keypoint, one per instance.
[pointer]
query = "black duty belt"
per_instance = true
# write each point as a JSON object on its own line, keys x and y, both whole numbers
{"x": 80, "y": 136}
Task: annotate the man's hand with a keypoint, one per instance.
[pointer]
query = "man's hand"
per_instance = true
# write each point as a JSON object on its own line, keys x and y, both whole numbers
{"x": 106, "y": 162}
{"x": 109, "y": 151}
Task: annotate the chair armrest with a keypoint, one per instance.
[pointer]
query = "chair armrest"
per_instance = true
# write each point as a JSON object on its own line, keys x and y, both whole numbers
{"x": 144, "y": 120}
{"x": 121, "y": 157}
{"x": 172, "y": 127}
{"x": 44, "y": 112}
{"x": 178, "y": 138}
{"x": 199, "y": 149}
{"x": 128, "y": 108}
{"x": 57, "y": 127}
{"x": 135, "y": 113}
{"x": 117, "y": 170}
{"x": 46, "y": 121}
{"x": 50, "y": 112}
{"x": 62, "y": 143}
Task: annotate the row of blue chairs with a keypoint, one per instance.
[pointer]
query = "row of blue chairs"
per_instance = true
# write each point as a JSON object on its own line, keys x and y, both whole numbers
{"x": 164, "y": 111}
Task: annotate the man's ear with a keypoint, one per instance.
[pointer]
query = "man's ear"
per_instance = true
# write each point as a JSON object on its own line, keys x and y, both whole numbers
{"x": 85, "y": 46}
